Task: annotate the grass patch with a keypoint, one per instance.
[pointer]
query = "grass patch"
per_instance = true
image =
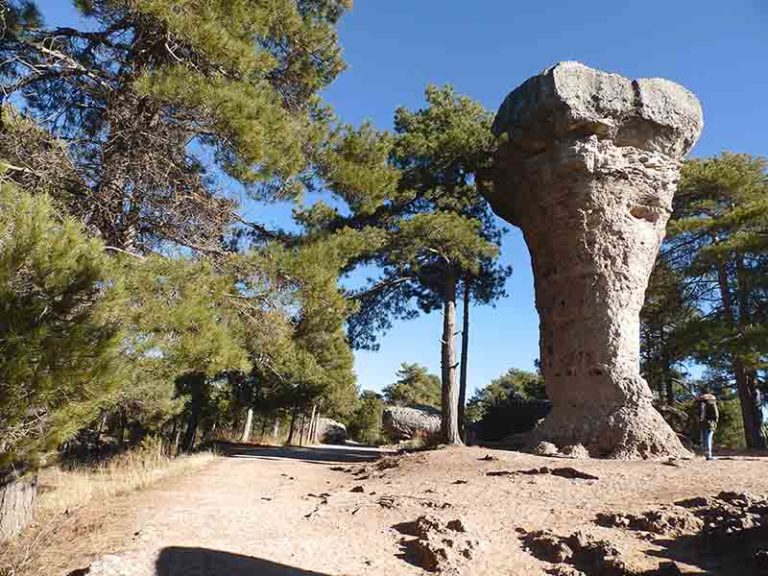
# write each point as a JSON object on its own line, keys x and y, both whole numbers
{"x": 72, "y": 506}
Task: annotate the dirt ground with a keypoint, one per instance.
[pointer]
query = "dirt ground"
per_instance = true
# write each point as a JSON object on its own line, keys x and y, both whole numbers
{"x": 343, "y": 511}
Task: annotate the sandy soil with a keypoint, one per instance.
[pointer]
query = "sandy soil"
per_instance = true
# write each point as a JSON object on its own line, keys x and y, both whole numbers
{"x": 337, "y": 511}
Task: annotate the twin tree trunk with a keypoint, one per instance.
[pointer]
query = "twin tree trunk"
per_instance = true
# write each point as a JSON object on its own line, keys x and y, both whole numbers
{"x": 449, "y": 427}
{"x": 745, "y": 381}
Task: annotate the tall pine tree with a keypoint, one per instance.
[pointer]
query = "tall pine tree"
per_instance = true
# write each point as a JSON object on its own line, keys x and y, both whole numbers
{"x": 718, "y": 241}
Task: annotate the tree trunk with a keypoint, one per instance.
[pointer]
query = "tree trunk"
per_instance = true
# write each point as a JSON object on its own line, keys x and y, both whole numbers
{"x": 276, "y": 427}
{"x": 449, "y": 426}
{"x": 312, "y": 423}
{"x": 196, "y": 406}
{"x": 246, "y": 437}
{"x": 745, "y": 385}
{"x": 464, "y": 358}
{"x": 752, "y": 432}
{"x": 666, "y": 375}
{"x": 17, "y": 504}
{"x": 302, "y": 428}
{"x": 176, "y": 437}
{"x": 293, "y": 425}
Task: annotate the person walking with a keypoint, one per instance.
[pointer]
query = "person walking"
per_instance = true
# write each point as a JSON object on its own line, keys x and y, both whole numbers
{"x": 708, "y": 418}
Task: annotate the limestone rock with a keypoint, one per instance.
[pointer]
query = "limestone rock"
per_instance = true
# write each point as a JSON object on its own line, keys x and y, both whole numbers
{"x": 545, "y": 449}
{"x": 666, "y": 521}
{"x": 404, "y": 423}
{"x": 547, "y": 546}
{"x": 578, "y": 553}
{"x": 331, "y": 432}
{"x": 110, "y": 565}
{"x": 575, "y": 451}
{"x": 588, "y": 171}
{"x": 438, "y": 546}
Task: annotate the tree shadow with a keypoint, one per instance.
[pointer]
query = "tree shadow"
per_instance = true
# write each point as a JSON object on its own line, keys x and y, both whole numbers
{"x": 178, "y": 561}
{"x": 311, "y": 454}
{"x": 737, "y": 553}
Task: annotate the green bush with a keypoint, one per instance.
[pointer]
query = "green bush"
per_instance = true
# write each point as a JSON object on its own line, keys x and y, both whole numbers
{"x": 365, "y": 423}
{"x": 730, "y": 428}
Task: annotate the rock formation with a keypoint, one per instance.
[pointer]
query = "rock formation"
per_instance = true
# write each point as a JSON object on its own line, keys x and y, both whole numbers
{"x": 330, "y": 431}
{"x": 588, "y": 170}
{"x": 405, "y": 423}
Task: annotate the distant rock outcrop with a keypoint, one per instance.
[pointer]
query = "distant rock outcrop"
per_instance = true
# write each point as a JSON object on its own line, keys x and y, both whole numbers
{"x": 405, "y": 423}
{"x": 330, "y": 431}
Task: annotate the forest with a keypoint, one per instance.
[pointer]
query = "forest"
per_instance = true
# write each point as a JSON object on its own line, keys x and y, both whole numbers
{"x": 142, "y": 304}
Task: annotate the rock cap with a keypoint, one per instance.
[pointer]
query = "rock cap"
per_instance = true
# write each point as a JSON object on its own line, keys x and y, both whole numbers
{"x": 572, "y": 100}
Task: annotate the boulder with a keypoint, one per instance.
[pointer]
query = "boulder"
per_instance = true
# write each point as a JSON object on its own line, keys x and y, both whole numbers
{"x": 405, "y": 423}
{"x": 330, "y": 431}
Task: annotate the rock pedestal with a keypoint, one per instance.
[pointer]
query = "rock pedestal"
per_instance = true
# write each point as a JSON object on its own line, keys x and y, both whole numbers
{"x": 588, "y": 171}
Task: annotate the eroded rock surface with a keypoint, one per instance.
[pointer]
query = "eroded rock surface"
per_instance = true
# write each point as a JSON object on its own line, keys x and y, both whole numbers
{"x": 724, "y": 534}
{"x": 438, "y": 546}
{"x": 404, "y": 423}
{"x": 588, "y": 172}
{"x": 330, "y": 431}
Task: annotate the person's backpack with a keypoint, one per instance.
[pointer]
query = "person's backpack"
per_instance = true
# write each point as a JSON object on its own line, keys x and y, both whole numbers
{"x": 710, "y": 412}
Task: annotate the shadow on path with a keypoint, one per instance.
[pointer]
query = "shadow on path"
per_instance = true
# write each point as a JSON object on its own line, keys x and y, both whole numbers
{"x": 733, "y": 554}
{"x": 178, "y": 561}
{"x": 313, "y": 454}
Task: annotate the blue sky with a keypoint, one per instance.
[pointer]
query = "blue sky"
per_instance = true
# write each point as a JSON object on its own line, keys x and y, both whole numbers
{"x": 394, "y": 48}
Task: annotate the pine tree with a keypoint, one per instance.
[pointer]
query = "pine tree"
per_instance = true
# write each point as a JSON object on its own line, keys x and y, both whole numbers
{"x": 418, "y": 188}
{"x": 442, "y": 233}
{"x": 151, "y": 95}
{"x": 365, "y": 422}
{"x": 414, "y": 386}
{"x": 181, "y": 328}
{"x": 718, "y": 240}
{"x": 59, "y": 348}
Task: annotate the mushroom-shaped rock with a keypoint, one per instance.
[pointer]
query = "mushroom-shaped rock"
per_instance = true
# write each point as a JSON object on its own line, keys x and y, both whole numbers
{"x": 588, "y": 171}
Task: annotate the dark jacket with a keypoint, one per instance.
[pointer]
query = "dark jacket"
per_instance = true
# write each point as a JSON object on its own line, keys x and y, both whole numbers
{"x": 708, "y": 412}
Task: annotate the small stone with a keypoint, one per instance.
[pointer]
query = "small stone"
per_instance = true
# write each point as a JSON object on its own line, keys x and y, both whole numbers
{"x": 545, "y": 449}
{"x": 547, "y": 546}
{"x": 576, "y": 451}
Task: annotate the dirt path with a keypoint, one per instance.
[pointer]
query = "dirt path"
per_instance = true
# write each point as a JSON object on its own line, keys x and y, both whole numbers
{"x": 257, "y": 511}
{"x": 340, "y": 511}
